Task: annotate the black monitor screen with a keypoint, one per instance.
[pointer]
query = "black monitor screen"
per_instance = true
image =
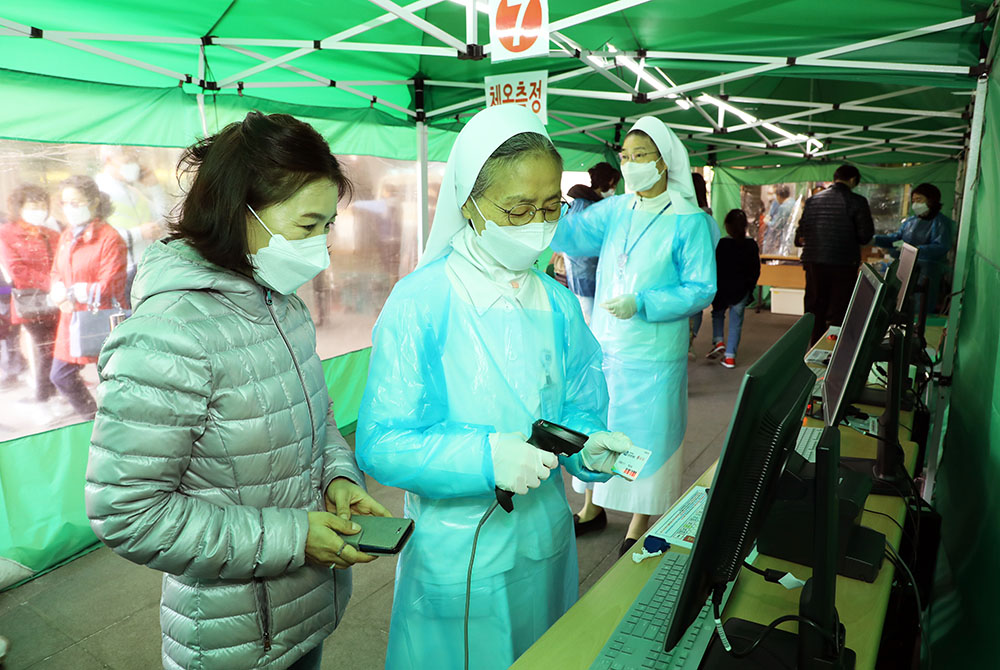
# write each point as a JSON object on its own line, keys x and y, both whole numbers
{"x": 904, "y": 272}
{"x": 847, "y": 371}
{"x": 762, "y": 433}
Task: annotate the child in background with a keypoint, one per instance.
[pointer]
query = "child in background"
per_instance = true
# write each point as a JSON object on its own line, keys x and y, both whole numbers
{"x": 737, "y": 260}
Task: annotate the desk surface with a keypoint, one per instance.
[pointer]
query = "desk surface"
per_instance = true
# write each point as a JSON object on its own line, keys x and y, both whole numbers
{"x": 578, "y": 636}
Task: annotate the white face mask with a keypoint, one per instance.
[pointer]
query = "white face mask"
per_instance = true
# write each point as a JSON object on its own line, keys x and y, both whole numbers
{"x": 130, "y": 172}
{"x": 640, "y": 176}
{"x": 285, "y": 265}
{"x": 607, "y": 194}
{"x": 35, "y": 217}
{"x": 919, "y": 208}
{"x": 77, "y": 216}
{"x": 515, "y": 247}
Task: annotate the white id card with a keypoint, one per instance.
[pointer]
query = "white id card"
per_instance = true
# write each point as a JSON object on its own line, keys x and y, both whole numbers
{"x": 629, "y": 464}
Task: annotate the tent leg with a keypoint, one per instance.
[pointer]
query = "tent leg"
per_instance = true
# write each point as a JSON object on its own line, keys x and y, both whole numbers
{"x": 201, "y": 96}
{"x": 939, "y": 426}
{"x": 422, "y": 204}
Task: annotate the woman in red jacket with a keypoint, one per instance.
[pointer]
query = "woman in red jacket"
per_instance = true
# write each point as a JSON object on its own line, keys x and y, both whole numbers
{"x": 27, "y": 249}
{"x": 89, "y": 272}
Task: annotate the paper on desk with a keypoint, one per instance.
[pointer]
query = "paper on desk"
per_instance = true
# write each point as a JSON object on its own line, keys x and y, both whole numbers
{"x": 818, "y": 356}
{"x": 680, "y": 524}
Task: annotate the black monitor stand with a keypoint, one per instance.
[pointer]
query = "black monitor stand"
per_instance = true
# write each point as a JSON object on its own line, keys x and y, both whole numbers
{"x": 822, "y": 647}
{"x": 886, "y": 471}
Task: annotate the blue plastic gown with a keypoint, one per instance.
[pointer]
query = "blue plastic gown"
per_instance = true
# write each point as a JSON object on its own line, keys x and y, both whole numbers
{"x": 933, "y": 240}
{"x": 670, "y": 267}
{"x": 443, "y": 376}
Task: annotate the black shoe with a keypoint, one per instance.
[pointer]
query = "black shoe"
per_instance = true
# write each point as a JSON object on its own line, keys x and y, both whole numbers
{"x": 626, "y": 545}
{"x": 597, "y": 523}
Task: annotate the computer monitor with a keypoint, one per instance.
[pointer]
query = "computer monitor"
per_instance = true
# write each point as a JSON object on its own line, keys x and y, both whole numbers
{"x": 904, "y": 273}
{"x": 851, "y": 361}
{"x": 765, "y": 424}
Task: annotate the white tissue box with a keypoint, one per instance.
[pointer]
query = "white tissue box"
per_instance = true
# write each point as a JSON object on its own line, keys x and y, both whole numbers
{"x": 788, "y": 301}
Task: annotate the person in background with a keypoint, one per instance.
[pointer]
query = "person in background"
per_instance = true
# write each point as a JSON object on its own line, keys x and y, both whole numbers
{"x": 656, "y": 269}
{"x": 581, "y": 272}
{"x": 215, "y": 456}
{"x": 928, "y": 229}
{"x": 470, "y": 349}
{"x": 834, "y": 225}
{"x": 88, "y": 272}
{"x": 701, "y": 193}
{"x": 27, "y": 251}
{"x": 138, "y": 201}
{"x": 779, "y": 220}
{"x": 738, "y": 261}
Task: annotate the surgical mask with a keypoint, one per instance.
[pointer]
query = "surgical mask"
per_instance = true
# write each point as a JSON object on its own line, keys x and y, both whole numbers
{"x": 640, "y": 176}
{"x": 35, "y": 217}
{"x": 77, "y": 216}
{"x": 130, "y": 172}
{"x": 919, "y": 208}
{"x": 607, "y": 194}
{"x": 515, "y": 247}
{"x": 285, "y": 265}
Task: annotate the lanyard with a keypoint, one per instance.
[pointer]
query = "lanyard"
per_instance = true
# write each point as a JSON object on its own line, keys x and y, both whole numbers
{"x": 626, "y": 249}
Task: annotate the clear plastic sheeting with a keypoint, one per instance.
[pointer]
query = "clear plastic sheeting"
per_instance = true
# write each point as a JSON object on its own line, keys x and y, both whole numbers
{"x": 374, "y": 242}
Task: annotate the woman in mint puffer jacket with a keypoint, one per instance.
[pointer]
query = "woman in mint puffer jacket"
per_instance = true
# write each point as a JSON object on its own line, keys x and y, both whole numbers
{"x": 215, "y": 456}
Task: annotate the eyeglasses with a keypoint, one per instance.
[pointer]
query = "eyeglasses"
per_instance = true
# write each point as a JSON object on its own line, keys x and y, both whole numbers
{"x": 637, "y": 157}
{"x": 524, "y": 213}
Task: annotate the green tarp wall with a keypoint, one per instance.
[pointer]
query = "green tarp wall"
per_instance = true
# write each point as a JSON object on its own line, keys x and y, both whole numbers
{"x": 40, "y": 529}
{"x": 968, "y": 496}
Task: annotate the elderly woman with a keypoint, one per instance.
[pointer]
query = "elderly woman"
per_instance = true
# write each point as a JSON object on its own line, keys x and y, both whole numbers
{"x": 471, "y": 349}
{"x": 656, "y": 268}
{"x": 215, "y": 456}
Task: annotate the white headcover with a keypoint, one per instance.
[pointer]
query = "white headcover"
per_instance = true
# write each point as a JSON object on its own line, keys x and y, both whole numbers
{"x": 481, "y": 136}
{"x": 674, "y": 154}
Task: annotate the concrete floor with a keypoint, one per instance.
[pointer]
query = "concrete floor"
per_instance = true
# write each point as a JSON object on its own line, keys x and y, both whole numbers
{"x": 101, "y": 612}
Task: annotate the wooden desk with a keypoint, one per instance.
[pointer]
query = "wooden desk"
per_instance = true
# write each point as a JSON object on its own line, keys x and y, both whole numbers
{"x": 578, "y": 636}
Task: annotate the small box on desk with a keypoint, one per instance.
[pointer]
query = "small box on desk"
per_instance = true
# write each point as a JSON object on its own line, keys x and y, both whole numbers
{"x": 788, "y": 301}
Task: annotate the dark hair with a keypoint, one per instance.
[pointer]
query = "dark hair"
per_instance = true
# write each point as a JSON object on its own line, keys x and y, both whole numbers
{"x": 847, "y": 173}
{"x": 88, "y": 187}
{"x": 260, "y": 161}
{"x": 783, "y": 191}
{"x": 700, "y": 189}
{"x": 932, "y": 193}
{"x": 22, "y": 194}
{"x": 508, "y": 153}
{"x": 736, "y": 223}
{"x": 603, "y": 176}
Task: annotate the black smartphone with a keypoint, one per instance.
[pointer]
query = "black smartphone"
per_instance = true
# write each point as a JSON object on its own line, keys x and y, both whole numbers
{"x": 380, "y": 535}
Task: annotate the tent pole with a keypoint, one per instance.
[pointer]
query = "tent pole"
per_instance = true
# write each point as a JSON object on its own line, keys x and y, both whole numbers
{"x": 939, "y": 423}
{"x": 201, "y": 96}
{"x": 596, "y": 13}
{"x": 421, "y": 24}
{"x": 423, "y": 207}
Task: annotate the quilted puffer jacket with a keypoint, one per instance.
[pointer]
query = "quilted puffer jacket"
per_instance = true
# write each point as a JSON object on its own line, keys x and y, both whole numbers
{"x": 213, "y": 439}
{"x": 834, "y": 225}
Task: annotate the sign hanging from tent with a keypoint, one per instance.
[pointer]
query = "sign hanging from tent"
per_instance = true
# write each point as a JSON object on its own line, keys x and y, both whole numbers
{"x": 528, "y": 89}
{"x": 518, "y": 29}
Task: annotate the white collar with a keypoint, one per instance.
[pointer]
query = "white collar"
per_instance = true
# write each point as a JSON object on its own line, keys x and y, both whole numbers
{"x": 654, "y": 204}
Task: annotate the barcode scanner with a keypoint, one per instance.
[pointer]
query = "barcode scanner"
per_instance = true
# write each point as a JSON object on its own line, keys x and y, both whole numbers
{"x": 550, "y": 437}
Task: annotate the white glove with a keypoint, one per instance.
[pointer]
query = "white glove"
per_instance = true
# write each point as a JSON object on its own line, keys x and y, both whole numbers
{"x": 601, "y": 451}
{"x": 518, "y": 466}
{"x": 57, "y": 292}
{"x": 897, "y": 244}
{"x": 80, "y": 292}
{"x": 622, "y": 307}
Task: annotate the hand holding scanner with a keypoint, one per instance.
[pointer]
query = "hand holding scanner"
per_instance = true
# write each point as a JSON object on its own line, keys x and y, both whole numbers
{"x": 550, "y": 437}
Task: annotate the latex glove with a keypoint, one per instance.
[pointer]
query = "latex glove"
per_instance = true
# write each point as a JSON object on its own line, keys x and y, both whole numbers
{"x": 518, "y": 466}
{"x": 574, "y": 465}
{"x": 80, "y": 292}
{"x": 622, "y": 307}
{"x": 601, "y": 451}
{"x": 897, "y": 244}
{"x": 57, "y": 292}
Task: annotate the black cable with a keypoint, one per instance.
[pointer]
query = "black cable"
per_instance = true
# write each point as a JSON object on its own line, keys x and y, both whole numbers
{"x": 900, "y": 565}
{"x": 777, "y": 622}
{"x": 899, "y": 525}
{"x": 769, "y": 574}
{"x": 468, "y": 579}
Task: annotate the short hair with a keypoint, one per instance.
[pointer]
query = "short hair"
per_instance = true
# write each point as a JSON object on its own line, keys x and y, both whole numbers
{"x": 783, "y": 191}
{"x": 510, "y": 152}
{"x": 101, "y": 201}
{"x": 603, "y": 176}
{"x": 846, "y": 173}
{"x": 700, "y": 189}
{"x": 22, "y": 194}
{"x": 736, "y": 223}
{"x": 259, "y": 161}
{"x": 929, "y": 191}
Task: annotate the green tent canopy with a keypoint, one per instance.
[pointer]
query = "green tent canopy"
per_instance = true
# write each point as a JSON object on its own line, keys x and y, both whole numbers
{"x": 762, "y": 91}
